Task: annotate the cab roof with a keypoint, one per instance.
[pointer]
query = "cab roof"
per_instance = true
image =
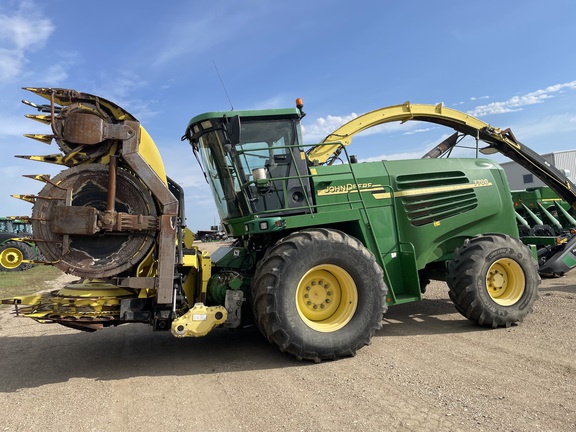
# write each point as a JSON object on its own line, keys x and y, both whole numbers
{"x": 253, "y": 114}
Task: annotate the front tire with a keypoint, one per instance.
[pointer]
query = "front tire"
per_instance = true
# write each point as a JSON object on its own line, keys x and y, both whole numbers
{"x": 493, "y": 280}
{"x": 319, "y": 295}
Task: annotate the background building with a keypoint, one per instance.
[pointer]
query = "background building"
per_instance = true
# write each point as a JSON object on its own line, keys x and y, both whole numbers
{"x": 520, "y": 178}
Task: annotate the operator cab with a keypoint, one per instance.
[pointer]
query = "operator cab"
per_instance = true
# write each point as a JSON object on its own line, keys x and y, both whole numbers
{"x": 254, "y": 161}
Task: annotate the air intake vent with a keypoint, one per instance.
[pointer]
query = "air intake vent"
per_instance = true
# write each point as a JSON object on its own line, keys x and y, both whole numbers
{"x": 432, "y": 197}
{"x": 429, "y": 180}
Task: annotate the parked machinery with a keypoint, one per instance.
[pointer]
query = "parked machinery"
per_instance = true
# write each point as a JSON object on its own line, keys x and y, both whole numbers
{"x": 17, "y": 251}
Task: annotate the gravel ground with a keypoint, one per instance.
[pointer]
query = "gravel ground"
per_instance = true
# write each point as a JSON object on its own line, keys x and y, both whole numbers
{"x": 427, "y": 369}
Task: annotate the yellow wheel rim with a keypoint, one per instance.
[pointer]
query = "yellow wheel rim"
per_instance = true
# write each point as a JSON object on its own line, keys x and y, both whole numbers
{"x": 505, "y": 282}
{"x": 326, "y": 298}
{"x": 11, "y": 258}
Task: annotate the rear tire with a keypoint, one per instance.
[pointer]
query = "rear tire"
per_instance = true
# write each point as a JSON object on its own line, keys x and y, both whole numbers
{"x": 319, "y": 295}
{"x": 493, "y": 280}
{"x": 11, "y": 255}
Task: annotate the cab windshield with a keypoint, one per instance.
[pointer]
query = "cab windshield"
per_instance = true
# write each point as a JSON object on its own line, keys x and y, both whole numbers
{"x": 220, "y": 174}
{"x": 264, "y": 152}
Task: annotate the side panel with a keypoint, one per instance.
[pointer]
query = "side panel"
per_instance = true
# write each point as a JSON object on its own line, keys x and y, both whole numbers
{"x": 416, "y": 212}
{"x": 440, "y": 202}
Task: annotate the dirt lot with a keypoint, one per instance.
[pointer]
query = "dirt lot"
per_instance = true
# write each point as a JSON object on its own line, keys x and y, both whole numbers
{"x": 427, "y": 369}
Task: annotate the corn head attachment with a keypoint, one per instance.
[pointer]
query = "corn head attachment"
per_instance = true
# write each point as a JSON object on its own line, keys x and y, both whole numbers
{"x": 111, "y": 217}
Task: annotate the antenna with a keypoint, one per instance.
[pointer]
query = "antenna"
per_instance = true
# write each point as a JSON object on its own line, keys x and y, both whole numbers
{"x": 223, "y": 86}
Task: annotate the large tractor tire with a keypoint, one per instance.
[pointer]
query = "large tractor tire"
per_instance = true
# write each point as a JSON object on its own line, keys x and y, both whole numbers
{"x": 493, "y": 280}
{"x": 319, "y": 294}
{"x": 12, "y": 253}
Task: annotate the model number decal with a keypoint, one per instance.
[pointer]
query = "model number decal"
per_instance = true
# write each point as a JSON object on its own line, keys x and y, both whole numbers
{"x": 482, "y": 182}
{"x": 479, "y": 183}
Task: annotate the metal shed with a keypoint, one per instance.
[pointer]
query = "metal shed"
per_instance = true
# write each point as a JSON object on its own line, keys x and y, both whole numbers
{"x": 520, "y": 178}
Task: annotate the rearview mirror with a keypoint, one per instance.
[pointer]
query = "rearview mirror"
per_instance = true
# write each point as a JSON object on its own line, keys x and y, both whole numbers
{"x": 233, "y": 130}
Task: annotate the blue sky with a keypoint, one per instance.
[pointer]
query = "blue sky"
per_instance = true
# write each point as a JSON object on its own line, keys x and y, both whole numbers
{"x": 510, "y": 63}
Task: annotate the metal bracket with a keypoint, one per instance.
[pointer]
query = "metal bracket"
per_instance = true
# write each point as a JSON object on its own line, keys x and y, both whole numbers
{"x": 233, "y": 304}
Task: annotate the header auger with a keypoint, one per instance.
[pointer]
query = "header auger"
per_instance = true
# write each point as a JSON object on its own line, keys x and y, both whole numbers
{"x": 319, "y": 251}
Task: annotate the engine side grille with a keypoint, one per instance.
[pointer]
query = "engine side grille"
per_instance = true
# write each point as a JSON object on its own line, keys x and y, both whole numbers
{"x": 432, "y": 197}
